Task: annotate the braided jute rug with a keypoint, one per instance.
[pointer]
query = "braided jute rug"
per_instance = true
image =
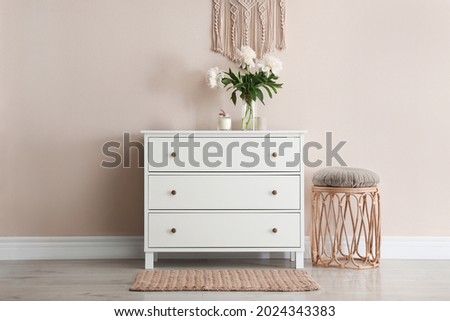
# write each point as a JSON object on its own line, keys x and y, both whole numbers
{"x": 244, "y": 280}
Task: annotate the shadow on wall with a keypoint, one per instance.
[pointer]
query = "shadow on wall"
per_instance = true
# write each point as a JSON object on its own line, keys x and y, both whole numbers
{"x": 123, "y": 188}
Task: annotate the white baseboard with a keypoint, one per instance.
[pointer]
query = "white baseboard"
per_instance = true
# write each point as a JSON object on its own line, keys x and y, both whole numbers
{"x": 415, "y": 248}
{"x": 71, "y": 247}
{"x": 131, "y": 247}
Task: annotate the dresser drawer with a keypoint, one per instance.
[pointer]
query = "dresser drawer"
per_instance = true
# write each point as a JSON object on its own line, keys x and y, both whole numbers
{"x": 224, "y": 154}
{"x": 223, "y": 192}
{"x": 223, "y": 230}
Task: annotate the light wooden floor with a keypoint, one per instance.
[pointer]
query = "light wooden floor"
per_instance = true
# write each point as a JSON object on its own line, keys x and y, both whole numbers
{"x": 110, "y": 280}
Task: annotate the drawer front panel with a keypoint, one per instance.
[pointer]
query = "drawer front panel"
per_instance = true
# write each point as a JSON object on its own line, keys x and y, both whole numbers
{"x": 223, "y": 230}
{"x": 223, "y": 192}
{"x": 224, "y": 154}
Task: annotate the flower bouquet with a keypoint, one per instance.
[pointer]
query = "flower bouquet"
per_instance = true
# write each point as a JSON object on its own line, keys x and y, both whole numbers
{"x": 250, "y": 83}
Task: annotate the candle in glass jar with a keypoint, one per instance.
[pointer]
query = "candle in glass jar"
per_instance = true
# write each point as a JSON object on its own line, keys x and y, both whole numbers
{"x": 224, "y": 123}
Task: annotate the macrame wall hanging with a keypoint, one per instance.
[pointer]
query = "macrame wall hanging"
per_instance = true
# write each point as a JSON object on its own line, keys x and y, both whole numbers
{"x": 259, "y": 24}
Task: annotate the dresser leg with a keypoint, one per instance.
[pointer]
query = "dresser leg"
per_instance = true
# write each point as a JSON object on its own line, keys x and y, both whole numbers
{"x": 292, "y": 256}
{"x": 299, "y": 260}
{"x": 155, "y": 257}
{"x": 149, "y": 257}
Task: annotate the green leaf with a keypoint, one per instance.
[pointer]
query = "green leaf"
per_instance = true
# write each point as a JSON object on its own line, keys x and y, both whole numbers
{"x": 233, "y": 76}
{"x": 274, "y": 89}
{"x": 268, "y": 91}
{"x": 260, "y": 95}
{"x": 233, "y": 97}
{"x": 253, "y": 94}
{"x": 226, "y": 81}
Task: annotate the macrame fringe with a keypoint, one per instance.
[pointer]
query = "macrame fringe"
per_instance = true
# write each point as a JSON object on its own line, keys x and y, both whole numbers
{"x": 259, "y": 24}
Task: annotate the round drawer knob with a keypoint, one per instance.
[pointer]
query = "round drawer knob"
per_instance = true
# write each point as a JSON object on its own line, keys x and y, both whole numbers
{"x": 174, "y": 230}
{"x": 173, "y": 192}
{"x": 275, "y": 230}
{"x": 274, "y": 154}
{"x": 274, "y": 192}
{"x": 173, "y": 154}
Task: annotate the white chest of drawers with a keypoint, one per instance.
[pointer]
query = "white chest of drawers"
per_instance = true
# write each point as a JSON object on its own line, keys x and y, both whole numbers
{"x": 214, "y": 191}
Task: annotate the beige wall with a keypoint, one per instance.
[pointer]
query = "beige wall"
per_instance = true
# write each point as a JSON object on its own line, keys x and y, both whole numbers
{"x": 77, "y": 73}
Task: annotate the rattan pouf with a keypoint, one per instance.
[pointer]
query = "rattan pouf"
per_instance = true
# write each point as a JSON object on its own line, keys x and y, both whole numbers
{"x": 346, "y": 226}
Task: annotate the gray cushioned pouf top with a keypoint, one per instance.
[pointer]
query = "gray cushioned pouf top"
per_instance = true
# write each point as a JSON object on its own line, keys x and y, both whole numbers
{"x": 345, "y": 177}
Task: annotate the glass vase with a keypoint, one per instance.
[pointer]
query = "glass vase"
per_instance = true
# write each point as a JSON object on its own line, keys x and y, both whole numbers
{"x": 249, "y": 116}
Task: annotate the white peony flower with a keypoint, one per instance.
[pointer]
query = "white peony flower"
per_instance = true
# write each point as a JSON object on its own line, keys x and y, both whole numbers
{"x": 271, "y": 64}
{"x": 214, "y": 78}
{"x": 246, "y": 57}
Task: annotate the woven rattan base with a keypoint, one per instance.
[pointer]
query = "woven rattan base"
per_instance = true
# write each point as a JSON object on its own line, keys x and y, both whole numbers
{"x": 346, "y": 227}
